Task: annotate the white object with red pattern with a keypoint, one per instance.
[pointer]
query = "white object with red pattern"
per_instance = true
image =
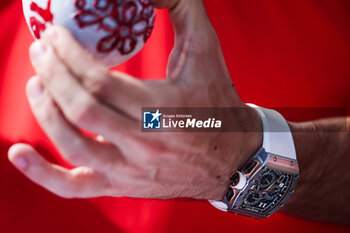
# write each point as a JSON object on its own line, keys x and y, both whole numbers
{"x": 112, "y": 30}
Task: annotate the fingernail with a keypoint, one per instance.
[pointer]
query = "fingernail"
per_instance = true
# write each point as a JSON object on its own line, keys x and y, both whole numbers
{"x": 35, "y": 88}
{"x": 21, "y": 162}
{"x": 51, "y": 34}
{"x": 37, "y": 49}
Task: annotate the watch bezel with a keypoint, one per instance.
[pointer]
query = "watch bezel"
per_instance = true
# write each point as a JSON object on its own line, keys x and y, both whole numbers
{"x": 265, "y": 161}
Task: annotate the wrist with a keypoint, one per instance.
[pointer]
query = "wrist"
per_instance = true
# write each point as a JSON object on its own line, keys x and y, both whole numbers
{"x": 269, "y": 176}
{"x": 242, "y": 145}
{"x": 250, "y": 137}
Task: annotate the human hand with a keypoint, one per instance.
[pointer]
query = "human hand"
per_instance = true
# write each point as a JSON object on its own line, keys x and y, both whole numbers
{"x": 73, "y": 91}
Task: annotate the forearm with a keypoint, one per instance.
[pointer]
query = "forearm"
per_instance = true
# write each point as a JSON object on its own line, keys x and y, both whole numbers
{"x": 323, "y": 150}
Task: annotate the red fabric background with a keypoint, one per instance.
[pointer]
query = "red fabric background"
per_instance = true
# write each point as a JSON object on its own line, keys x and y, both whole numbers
{"x": 280, "y": 54}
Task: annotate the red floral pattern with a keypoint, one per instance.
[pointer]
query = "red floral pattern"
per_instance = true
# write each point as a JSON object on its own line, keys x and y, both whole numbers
{"x": 36, "y": 25}
{"x": 122, "y": 20}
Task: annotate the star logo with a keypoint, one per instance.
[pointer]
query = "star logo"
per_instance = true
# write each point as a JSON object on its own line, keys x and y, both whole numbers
{"x": 152, "y": 119}
{"x": 156, "y": 116}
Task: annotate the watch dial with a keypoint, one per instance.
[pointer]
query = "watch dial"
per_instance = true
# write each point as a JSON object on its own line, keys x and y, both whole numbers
{"x": 266, "y": 191}
{"x": 253, "y": 198}
{"x": 267, "y": 178}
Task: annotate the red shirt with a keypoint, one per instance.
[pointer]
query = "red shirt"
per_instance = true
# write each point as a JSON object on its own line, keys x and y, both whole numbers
{"x": 279, "y": 53}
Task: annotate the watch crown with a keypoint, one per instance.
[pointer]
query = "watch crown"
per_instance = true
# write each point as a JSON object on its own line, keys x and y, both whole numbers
{"x": 238, "y": 180}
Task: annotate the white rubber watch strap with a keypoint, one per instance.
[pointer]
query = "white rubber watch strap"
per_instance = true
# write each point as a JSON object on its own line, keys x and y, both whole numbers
{"x": 219, "y": 205}
{"x": 277, "y": 137}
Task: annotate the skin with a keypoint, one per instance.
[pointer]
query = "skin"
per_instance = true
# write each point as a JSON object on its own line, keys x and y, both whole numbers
{"x": 323, "y": 149}
{"x": 73, "y": 91}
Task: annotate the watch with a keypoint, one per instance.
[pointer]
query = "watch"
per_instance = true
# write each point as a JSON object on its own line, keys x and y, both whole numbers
{"x": 268, "y": 178}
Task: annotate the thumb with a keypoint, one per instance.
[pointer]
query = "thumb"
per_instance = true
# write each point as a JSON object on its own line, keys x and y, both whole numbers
{"x": 195, "y": 37}
{"x": 165, "y": 4}
{"x": 190, "y": 21}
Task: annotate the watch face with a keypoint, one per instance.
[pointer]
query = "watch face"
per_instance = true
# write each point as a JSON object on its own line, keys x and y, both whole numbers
{"x": 267, "y": 191}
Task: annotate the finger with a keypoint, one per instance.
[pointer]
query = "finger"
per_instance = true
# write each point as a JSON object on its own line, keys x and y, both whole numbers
{"x": 189, "y": 18}
{"x": 77, "y": 105}
{"x": 196, "y": 43}
{"x": 165, "y": 4}
{"x": 77, "y": 149}
{"x": 121, "y": 91}
{"x": 80, "y": 182}
{"x": 190, "y": 21}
